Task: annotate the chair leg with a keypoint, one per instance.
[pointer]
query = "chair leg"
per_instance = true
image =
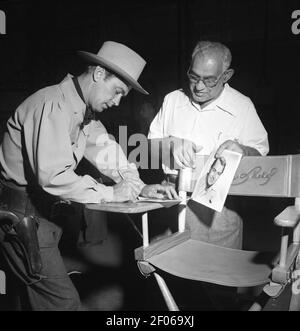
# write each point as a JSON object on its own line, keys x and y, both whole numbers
{"x": 260, "y": 302}
{"x": 255, "y": 307}
{"x": 170, "y": 302}
{"x": 295, "y": 297}
{"x": 267, "y": 299}
{"x": 295, "y": 302}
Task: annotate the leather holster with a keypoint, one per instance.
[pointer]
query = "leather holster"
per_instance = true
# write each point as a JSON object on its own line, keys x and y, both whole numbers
{"x": 20, "y": 225}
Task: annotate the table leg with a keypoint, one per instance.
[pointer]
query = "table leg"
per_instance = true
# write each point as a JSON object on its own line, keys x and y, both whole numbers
{"x": 145, "y": 230}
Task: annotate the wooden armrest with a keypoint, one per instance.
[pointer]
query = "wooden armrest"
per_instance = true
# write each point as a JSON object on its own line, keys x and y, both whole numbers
{"x": 289, "y": 218}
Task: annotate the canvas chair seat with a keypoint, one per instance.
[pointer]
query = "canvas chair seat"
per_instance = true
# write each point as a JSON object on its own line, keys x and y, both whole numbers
{"x": 200, "y": 261}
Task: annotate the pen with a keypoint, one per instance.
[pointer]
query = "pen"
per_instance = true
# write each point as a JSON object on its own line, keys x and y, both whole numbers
{"x": 121, "y": 175}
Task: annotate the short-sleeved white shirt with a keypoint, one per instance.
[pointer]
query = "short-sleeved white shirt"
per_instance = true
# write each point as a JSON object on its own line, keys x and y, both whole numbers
{"x": 231, "y": 116}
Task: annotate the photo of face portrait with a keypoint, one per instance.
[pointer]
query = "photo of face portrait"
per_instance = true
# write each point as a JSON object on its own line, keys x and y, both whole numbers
{"x": 215, "y": 179}
{"x": 214, "y": 173}
{"x": 216, "y": 170}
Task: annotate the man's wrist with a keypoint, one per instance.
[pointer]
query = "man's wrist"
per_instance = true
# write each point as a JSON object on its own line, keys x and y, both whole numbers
{"x": 109, "y": 194}
{"x": 249, "y": 151}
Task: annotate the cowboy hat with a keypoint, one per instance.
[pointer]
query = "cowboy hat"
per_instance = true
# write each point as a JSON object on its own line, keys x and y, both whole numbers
{"x": 119, "y": 59}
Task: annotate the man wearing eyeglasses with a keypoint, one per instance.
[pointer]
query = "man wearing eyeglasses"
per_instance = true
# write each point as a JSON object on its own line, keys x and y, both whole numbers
{"x": 208, "y": 116}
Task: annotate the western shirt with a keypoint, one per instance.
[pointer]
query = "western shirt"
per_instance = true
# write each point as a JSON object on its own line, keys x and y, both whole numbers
{"x": 44, "y": 143}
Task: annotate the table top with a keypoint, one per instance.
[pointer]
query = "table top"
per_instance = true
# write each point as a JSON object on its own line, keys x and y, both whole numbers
{"x": 130, "y": 207}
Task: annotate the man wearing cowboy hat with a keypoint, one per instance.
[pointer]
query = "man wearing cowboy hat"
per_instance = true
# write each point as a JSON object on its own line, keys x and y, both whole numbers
{"x": 45, "y": 139}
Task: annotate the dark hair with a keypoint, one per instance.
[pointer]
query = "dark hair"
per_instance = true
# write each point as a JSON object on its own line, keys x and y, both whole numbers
{"x": 108, "y": 75}
{"x": 91, "y": 67}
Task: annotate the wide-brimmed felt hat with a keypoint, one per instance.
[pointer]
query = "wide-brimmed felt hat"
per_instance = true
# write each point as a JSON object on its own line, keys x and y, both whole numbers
{"x": 118, "y": 59}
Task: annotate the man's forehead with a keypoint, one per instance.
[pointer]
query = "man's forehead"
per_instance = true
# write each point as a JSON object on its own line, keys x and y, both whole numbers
{"x": 207, "y": 64}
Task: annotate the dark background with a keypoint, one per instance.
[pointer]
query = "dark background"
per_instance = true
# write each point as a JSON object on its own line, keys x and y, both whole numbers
{"x": 42, "y": 38}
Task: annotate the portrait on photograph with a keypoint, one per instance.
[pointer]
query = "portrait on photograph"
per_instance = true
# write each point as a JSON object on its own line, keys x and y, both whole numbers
{"x": 215, "y": 179}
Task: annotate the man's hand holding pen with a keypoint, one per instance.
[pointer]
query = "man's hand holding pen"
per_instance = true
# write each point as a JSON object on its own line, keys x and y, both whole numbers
{"x": 128, "y": 189}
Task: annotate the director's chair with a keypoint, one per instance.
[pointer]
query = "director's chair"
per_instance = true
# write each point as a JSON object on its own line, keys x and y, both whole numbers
{"x": 182, "y": 256}
{"x": 185, "y": 257}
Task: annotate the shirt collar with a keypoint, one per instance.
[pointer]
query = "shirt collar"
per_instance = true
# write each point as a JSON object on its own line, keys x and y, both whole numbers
{"x": 69, "y": 91}
{"x": 221, "y": 103}
{"x": 77, "y": 105}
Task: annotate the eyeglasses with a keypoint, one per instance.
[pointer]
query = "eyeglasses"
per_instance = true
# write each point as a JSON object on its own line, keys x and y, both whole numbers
{"x": 208, "y": 82}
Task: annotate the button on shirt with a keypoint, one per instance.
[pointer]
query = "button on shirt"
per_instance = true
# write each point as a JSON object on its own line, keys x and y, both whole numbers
{"x": 43, "y": 145}
{"x": 231, "y": 116}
